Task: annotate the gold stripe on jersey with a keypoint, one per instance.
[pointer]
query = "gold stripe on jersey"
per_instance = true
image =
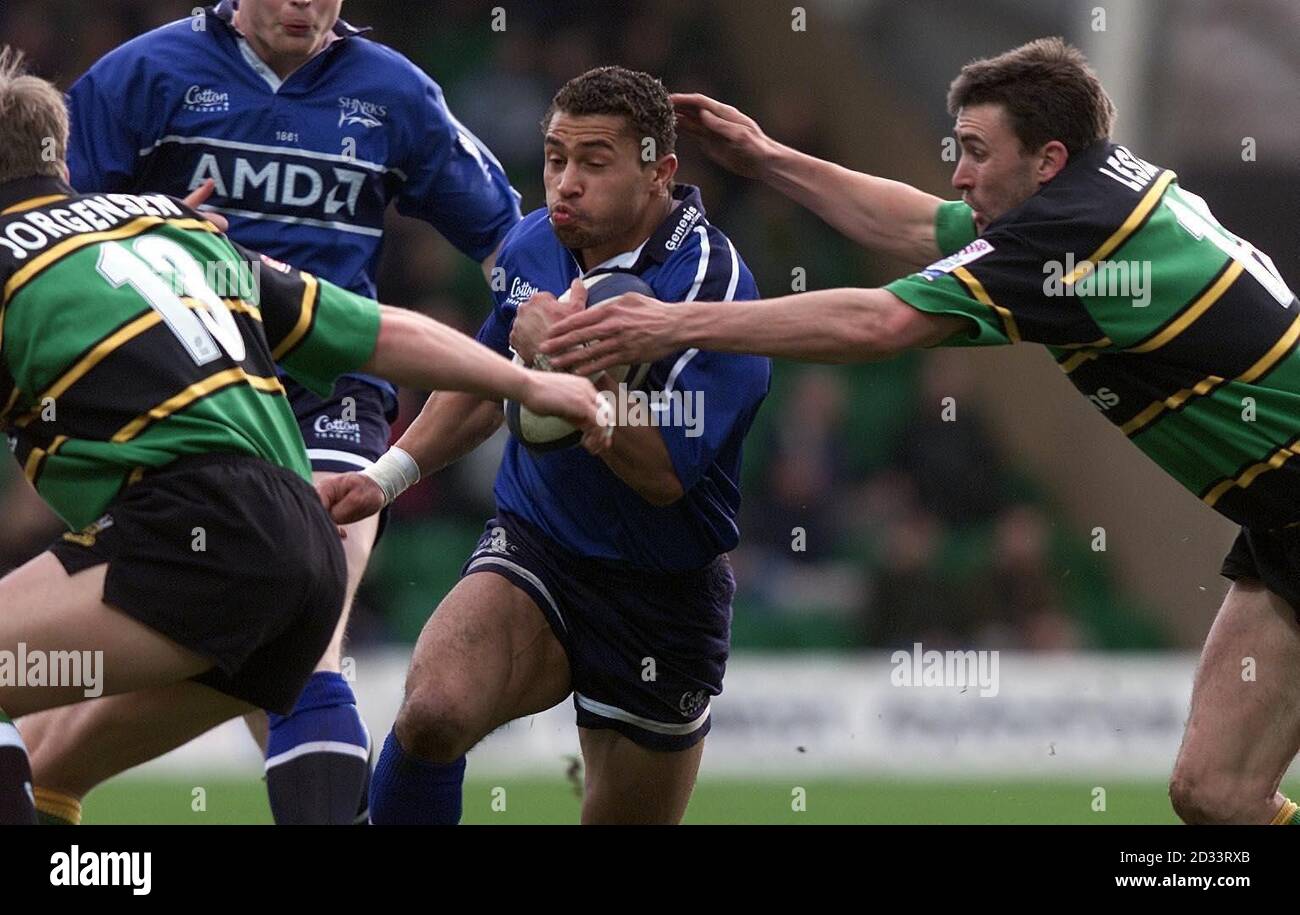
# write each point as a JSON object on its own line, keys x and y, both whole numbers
{"x": 1266, "y": 362}
{"x": 1247, "y": 476}
{"x": 1095, "y": 344}
{"x": 192, "y": 393}
{"x": 1172, "y": 402}
{"x": 1078, "y": 359}
{"x": 93, "y": 358}
{"x": 13, "y": 399}
{"x": 1193, "y": 311}
{"x": 113, "y": 341}
{"x": 305, "y": 310}
{"x": 977, "y": 289}
{"x": 36, "y": 459}
{"x": 1275, "y": 354}
{"x": 1127, "y": 228}
{"x": 32, "y": 203}
{"x": 76, "y": 243}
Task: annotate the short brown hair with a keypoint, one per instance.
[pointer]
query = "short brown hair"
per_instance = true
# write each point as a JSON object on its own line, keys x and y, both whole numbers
{"x": 1048, "y": 90}
{"x": 33, "y": 122}
{"x": 638, "y": 96}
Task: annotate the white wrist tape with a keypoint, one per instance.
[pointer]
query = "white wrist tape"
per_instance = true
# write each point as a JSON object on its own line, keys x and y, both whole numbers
{"x": 394, "y": 472}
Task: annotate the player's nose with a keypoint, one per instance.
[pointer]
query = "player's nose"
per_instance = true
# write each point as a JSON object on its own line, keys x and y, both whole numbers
{"x": 569, "y": 182}
{"x": 962, "y": 179}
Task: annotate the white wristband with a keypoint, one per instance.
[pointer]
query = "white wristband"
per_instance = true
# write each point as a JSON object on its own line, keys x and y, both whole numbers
{"x": 394, "y": 473}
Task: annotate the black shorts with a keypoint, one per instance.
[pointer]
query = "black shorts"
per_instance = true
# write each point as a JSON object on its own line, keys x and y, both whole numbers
{"x": 647, "y": 650}
{"x": 230, "y": 557}
{"x": 1272, "y": 556}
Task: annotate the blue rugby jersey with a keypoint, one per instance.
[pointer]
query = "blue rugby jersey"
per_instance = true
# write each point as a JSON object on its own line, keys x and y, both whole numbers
{"x": 574, "y": 497}
{"x": 304, "y": 168}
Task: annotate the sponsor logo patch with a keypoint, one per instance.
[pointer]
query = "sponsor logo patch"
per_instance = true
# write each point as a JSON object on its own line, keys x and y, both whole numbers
{"x": 201, "y": 98}
{"x": 355, "y": 111}
{"x": 972, "y": 252}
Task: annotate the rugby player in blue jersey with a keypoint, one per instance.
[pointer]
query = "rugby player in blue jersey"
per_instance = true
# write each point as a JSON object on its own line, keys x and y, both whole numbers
{"x": 604, "y": 578}
{"x": 303, "y": 132}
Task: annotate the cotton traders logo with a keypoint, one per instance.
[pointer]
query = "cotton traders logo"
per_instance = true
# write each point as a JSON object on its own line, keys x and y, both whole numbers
{"x": 337, "y": 429}
{"x": 520, "y": 291}
{"x": 198, "y": 98}
{"x": 355, "y": 111}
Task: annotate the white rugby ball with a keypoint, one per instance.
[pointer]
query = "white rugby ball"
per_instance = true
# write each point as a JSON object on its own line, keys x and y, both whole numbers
{"x": 548, "y": 433}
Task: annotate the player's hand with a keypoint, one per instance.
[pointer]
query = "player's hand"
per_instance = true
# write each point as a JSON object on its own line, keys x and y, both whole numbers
{"x": 626, "y": 330}
{"x": 349, "y": 497}
{"x": 199, "y": 196}
{"x": 729, "y": 137}
{"x": 575, "y": 399}
{"x": 534, "y": 318}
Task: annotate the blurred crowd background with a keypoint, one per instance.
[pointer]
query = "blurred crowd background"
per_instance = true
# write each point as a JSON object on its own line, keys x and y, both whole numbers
{"x": 869, "y": 519}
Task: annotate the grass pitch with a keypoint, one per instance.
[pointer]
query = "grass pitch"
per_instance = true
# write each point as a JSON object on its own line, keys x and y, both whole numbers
{"x": 553, "y": 800}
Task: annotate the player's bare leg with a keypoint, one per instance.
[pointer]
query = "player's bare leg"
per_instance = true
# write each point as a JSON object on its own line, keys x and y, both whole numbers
{"x": 77, "y": 747}
{"x": 630, "y": 784}
{"x": 1244, "y": 728}
{"x": 318, "y": 758}
{"x": 47, "y": 610}
{"x": 487, "y": 656}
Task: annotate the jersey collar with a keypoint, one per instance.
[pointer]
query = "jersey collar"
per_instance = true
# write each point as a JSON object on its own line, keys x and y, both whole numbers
{"x": 22, "y": 193}
{"x": 671, "y": 234}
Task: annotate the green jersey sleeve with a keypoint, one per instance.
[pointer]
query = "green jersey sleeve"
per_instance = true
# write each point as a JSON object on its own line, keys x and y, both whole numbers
{"x": 954, "y": 227}
{"x": 316, "y": 330}
{"x": 1001, "y": 283}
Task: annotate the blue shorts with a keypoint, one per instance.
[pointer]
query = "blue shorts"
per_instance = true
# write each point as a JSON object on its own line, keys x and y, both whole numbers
{"x": 346, "y": 431}
{"x": 647, "y": 650}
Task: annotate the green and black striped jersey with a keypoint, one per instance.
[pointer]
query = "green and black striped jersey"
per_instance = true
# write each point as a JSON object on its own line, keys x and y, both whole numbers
{"x": 1181, "y": 333}
{"x": 132, "y": 333}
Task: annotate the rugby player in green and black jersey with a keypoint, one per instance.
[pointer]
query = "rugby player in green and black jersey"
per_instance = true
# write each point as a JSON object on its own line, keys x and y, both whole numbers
{"x": 1053, "y": 215}
{"x": 145, "y": 409}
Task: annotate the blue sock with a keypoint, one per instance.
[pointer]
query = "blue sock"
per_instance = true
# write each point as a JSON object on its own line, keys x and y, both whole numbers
{"x": 407, "y": 791}
{"x": 317, "y": 757}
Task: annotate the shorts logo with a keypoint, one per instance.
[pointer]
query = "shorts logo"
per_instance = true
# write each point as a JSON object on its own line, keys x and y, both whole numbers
{"x": 497, "y": 542}
{"x": 197, "y": 98}
{"x": 691, "y": 703}
{"x": 355, "y": 111}
{"x": 337, "y": 429}
{"x": 972, "y": 252}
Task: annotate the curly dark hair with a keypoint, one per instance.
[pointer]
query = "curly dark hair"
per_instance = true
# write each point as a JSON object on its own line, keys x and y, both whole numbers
{"x": 637, "y": 96}
{"x": 1048, "y": 89}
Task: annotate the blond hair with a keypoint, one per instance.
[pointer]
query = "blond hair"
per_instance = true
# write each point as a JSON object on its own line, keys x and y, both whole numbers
{"x": 33, "y": 122}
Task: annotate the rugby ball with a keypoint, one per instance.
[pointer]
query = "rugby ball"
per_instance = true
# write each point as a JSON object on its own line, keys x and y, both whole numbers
{"x": 549, "y": 433}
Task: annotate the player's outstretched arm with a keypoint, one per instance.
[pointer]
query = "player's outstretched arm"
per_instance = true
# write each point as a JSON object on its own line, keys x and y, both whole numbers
{"x": 419, "y": 352}
{"x": 886, "y": 216}
{"x": 829, "y": 325}
{"x": 469, "y": 381}
{"x": 450, "y": 425}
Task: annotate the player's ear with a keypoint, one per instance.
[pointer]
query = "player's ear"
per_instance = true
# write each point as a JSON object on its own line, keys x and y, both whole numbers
{"x": 1051, "y": 159}
{"x": 664, "y": 170}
